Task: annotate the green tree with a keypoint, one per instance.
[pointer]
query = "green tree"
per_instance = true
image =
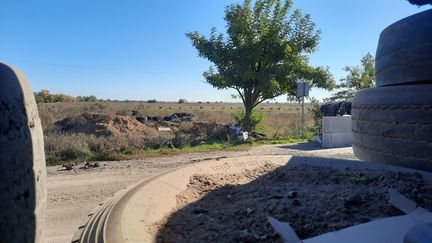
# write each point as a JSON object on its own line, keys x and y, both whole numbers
{"x": 420, "y": 2}
{"x": 315, "y": 111}
{"x": 264, "y": 53}
{"x": 358, "y": 78}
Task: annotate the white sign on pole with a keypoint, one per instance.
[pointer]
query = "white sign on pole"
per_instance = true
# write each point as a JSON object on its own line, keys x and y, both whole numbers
{"x": 302, "y": 89}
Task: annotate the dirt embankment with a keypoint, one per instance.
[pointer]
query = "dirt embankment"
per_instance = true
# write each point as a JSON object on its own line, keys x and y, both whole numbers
{"x": 314, "y": 200}
{"x": 104, "y": 125}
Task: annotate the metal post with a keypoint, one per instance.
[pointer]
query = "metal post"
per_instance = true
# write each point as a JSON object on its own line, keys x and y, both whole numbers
{"x": 302, "y": 117}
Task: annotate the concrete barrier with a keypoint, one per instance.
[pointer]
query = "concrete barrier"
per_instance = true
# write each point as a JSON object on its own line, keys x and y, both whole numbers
{"x": 22, "y": 161}
{"x": 336, "y": 131}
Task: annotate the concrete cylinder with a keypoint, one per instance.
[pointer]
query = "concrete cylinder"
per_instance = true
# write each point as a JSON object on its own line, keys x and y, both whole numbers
{"x": 22, "y": 161}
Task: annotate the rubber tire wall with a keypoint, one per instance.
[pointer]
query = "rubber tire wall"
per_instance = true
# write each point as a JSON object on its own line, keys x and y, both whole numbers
{"x": 404, "y": 52}
{"x": 22, "y": 161}
{"x": 393, "y": 125}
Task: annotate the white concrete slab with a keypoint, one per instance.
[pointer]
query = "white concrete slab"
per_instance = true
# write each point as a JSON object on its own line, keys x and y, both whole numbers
{"x": 336, "y": 140}
{"x": 338, "y": 124}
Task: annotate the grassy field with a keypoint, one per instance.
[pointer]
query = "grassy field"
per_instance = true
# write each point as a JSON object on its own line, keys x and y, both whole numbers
{"x": 280, "y": 123}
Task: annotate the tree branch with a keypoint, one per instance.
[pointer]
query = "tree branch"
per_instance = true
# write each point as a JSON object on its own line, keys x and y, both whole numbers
{"x": 241, "y": 95}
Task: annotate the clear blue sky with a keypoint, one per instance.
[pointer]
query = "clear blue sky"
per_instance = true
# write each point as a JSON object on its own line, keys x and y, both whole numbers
{"x": 134, "y": 49}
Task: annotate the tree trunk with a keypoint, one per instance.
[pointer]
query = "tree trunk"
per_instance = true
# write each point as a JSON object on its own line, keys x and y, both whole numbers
{"x": 248, "y": 117}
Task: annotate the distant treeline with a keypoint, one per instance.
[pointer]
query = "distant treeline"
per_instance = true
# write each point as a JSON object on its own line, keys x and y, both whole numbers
{"x": 44, "y": 96}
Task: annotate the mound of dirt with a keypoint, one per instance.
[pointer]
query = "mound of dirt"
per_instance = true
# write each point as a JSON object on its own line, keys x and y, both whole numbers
{"x": 211, "y": 131}
{"x": 314, "y": 200}
{"x": 104, "y": 125}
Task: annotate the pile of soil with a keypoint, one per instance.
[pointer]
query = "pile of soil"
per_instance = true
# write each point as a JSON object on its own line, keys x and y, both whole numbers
{"x": 104, "y": 125}
{"x": 210, "y": 131}
{"x": 314, "y": 200}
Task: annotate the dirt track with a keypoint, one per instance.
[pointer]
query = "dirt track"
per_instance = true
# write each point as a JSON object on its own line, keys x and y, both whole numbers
{"x": 72, "y": 195}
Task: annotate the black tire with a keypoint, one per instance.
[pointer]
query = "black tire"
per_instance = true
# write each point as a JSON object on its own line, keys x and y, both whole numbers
{"x": 393, "y": 125}
{"x": 404, "y": 53}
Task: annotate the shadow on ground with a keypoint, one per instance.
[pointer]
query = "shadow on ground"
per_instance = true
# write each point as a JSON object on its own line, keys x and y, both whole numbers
{"x": 314, "y": 200}
{"x": 306, "y": 146}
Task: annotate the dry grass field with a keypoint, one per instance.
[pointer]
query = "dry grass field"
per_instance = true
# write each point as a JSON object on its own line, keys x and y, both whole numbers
{"x": 109, "y": 130}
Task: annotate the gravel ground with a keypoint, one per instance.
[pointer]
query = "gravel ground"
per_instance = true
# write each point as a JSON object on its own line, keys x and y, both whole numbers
{"x": 314, "y": 200}
{"x": 73, "y": 194}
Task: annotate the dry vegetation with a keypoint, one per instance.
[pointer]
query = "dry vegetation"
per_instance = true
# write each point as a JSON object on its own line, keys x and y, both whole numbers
{"x": 109, "y": 131}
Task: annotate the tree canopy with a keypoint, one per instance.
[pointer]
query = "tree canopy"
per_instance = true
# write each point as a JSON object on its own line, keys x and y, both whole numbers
{"x": 358, "y": 78}
{"x": 420, "y": 2}
{"x": 263, "y": 54}
{"x": 44, "y": 96}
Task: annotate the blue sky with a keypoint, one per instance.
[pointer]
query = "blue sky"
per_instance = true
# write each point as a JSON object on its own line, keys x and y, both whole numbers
{"x": 136, "y": 49}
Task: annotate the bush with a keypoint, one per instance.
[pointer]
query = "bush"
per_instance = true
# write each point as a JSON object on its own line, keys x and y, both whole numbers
{"x": 180, "y": 140}
{"x": 152, "y": 101}
{"x": 420, "y": 2}
{"x": 257, "y": 117}
{"x": 158, "y": 142}
{"x": 73, "y": 154}
{"x": 181, "y": 101}
{"x": 316, "y": 115}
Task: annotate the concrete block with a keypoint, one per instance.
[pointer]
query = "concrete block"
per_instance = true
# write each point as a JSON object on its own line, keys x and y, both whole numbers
{"x": 338, "y": 124}
{"x": 337, "y": 139}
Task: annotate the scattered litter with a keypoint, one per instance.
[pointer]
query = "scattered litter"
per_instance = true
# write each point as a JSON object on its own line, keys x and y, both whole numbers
{"x": 164, "y": 129}
{"x": 241, "y": 135}
{"x": 68, "y": 166}
{"x": 90, "y": 166}
{"x": 284, "y": 230}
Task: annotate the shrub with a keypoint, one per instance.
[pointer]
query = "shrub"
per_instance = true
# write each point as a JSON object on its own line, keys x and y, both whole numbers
{"x": 420, "y": 2}
{"x": 73, "y": 154}
{"x": 181, "y": 101}
{"x": 159, "y": 142}
{"x": 316, "y": 115}
{"x": 180, "y": 140}
{"x": 257, "y": 117}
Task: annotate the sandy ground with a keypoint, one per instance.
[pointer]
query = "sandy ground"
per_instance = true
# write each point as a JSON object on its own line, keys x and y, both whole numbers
{"x": 72, "y": 195}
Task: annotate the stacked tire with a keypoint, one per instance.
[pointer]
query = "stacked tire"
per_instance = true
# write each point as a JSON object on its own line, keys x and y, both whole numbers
{"x": 392, "y": 123}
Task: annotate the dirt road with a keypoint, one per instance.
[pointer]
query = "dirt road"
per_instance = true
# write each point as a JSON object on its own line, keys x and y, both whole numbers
{"x": 73, "y": 194}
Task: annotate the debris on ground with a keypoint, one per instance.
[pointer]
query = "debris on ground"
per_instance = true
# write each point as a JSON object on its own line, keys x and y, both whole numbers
{"x": 314, "y": 200}
{"x": 164, "y": 129}
{"x": 175, "y": 117}
{"x": 88, "y": 166}
{"x": 336, "y": 108}
{"x": 68, "y": 166}
{"x": 241, "y": 135}
{"x": 180, "y": 117}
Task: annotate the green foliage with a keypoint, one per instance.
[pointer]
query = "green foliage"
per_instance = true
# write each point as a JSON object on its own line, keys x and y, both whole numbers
{"x": 358, "y": 78}
{"x": 44, "y": 96}
{"x": 152, "y": 101}
{"x": 91, "y": 98}
{"x": 256, "y": 118}
{"x": 73, "y": 154}
{"x": 420, "y": 2}
{"x": 264, "y": 53}
{"x": 182, "y": 101}
{"x": 316, "y": 115}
